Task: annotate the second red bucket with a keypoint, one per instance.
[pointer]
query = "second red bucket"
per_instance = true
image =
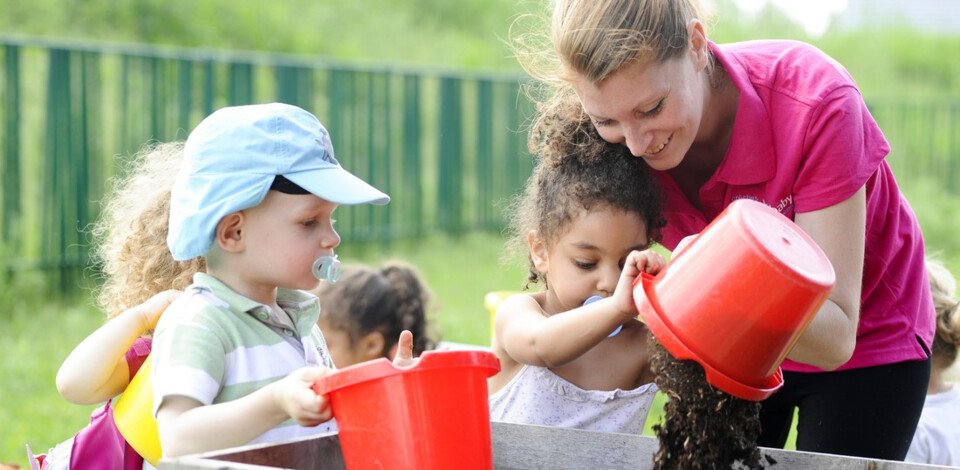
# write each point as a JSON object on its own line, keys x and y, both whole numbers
{"x": 433, "y": 415}
{"x": 737, "y": 298}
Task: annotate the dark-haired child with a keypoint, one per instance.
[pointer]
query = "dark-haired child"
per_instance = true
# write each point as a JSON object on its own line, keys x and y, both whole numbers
{"x": 363, "y": 313}
{"x": 587, "y": 217}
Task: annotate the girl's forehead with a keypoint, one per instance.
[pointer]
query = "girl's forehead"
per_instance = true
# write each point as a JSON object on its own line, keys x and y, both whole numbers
{"x": 602, "y": 224}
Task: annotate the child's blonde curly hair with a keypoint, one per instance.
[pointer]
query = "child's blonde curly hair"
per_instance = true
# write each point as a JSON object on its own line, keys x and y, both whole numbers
{"x": 943, "y": 286}
{"x": 130, "y": 237}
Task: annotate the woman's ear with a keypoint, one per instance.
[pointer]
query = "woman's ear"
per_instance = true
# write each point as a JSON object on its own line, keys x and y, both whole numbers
{"x": 538, "y": 251}
{"x": 698, "y": 43}
{"x": 371, "y": 346}
{"x": 229, "y": 232}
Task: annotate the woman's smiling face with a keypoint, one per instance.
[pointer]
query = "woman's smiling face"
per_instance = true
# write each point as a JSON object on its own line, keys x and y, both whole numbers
{"x": 654, "y": 109}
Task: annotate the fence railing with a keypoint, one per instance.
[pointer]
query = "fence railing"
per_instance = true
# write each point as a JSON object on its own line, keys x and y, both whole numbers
{"x": 447, "y": 145}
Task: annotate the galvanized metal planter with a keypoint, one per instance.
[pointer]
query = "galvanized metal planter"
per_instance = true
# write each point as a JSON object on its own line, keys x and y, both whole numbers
{"x": 514, "y": 447}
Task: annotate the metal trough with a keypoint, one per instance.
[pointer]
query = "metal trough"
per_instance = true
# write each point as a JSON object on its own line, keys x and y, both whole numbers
{"x": 515, "y": 446}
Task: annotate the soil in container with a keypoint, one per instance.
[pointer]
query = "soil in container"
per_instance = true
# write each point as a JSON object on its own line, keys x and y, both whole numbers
{"x": 703, "y": 427}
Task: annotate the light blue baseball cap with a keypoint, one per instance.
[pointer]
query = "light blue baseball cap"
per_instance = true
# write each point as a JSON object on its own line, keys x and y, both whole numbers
{"x": 232, "y": 157}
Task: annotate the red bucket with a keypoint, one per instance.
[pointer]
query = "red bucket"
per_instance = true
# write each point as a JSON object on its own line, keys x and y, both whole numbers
{"x": 433, "y": 415}
{"x": 737, "y": 298}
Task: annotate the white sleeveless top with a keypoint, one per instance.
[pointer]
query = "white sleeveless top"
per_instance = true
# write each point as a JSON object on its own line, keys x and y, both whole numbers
{"x": 538, "y": 396}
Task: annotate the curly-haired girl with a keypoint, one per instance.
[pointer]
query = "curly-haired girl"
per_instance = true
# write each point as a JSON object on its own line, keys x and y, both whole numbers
{"x": 587, "y": 217}
{"x": 140, "y": 279}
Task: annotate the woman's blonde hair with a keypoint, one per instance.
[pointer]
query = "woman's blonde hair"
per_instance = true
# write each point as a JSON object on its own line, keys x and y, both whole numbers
{"x": 595, "y": 38}
{"x": 130, "y": 237}
{"x": 943, "y": 286}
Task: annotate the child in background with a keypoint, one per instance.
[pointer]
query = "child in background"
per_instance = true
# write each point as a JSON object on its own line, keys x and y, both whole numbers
{"x": 937, "y": 440}
{"x": 140, "y": 279}
{"x": 235, "y": 356}
{"x": 363, "y": 313}
{"x": 586, "y": 213}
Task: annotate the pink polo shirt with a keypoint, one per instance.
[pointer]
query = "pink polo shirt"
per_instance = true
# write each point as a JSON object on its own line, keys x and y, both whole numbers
{"x": 804, "y": 140}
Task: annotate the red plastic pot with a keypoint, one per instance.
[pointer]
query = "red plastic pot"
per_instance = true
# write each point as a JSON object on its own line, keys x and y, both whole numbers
{"x": 737, "y": 298}
{"x": 433, "y": 415}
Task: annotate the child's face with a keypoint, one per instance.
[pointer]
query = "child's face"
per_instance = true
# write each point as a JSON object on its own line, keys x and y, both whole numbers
{"x": 284, "y": 235}
{"x": 343, "y": 349}
{"x": 587, "y": 259}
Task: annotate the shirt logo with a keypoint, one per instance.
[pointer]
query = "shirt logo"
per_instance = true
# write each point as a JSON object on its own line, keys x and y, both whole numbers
{"x": 746, "y": 196}
{"x": 785, "y": 204}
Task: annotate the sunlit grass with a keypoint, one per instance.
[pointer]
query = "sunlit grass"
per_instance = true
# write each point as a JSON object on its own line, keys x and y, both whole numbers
{"x": 37, "y": 334}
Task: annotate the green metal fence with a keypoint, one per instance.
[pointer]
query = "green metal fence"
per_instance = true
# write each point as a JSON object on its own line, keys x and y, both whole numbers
{"x": 445, "y": 145}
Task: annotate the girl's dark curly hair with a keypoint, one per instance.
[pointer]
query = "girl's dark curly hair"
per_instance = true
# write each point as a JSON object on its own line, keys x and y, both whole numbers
{"x": 576, "y": 171}
{"x": 390, "y": 299}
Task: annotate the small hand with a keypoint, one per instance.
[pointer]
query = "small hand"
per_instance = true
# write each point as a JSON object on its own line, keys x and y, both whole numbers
{"x": 404, "y": 356}
{"x": 295, "y": 396}
{"x": 152, "y": 308}
{"x": 646, "y": 261}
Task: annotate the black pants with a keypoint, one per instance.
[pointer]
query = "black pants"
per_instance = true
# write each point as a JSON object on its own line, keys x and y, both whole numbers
{"x": 870, "y": 412}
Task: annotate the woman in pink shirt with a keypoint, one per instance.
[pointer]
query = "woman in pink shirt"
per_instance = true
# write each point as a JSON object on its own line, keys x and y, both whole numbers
{"x": 784, "y": 124}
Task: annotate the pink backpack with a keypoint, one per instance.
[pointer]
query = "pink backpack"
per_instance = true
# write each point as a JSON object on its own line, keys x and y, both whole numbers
{"x": 100, "y": 445}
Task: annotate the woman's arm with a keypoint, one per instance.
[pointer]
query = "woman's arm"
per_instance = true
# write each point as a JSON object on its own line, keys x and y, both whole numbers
{"x": 829, "y": 340}
{"x": 96, "y": 369}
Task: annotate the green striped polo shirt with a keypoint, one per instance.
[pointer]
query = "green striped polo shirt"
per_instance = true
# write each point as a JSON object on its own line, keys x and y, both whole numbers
{"x": 215, "y": 345}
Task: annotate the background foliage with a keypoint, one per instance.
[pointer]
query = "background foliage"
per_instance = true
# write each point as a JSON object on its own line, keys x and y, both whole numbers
{"x": 37, "y": 333}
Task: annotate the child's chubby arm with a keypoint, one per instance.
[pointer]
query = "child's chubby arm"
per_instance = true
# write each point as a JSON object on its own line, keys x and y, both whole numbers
{"x": 186, "y": 426}
{"x": 529, "y": 336}
{"x": 96, "y": 369}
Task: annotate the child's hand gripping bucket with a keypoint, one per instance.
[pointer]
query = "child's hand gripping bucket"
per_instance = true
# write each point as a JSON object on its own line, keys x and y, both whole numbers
{"x": 737, "y": 298}
{"x": 133, "y": 415}
{"x": 433, "y": 415}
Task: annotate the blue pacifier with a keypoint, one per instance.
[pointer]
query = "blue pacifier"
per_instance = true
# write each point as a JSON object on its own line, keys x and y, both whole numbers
{"x": 327, "y": 268}
{"x": 594, "y": 298}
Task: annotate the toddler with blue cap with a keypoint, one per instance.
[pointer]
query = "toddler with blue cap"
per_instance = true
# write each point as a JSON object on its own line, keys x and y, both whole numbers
{"x": 235, "y": 356}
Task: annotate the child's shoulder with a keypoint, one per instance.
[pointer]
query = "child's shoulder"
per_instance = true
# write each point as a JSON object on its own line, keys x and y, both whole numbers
{"x": 522, "y": 301}
{"x": 195, "y": 304}
{"x": 519, "y": 306}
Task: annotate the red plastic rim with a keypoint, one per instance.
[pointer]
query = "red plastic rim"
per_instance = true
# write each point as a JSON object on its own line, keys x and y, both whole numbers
{"x": 382, "y": 368}
{"x": 653, "y": 317}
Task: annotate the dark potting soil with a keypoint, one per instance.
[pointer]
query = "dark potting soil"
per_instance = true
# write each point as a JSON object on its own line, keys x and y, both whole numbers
{"x": 703, "y": 427}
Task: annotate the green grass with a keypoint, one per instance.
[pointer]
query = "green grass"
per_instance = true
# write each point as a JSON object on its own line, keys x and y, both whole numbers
{"x": 35, "y": 338}
{"x": 37, "y": 334}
